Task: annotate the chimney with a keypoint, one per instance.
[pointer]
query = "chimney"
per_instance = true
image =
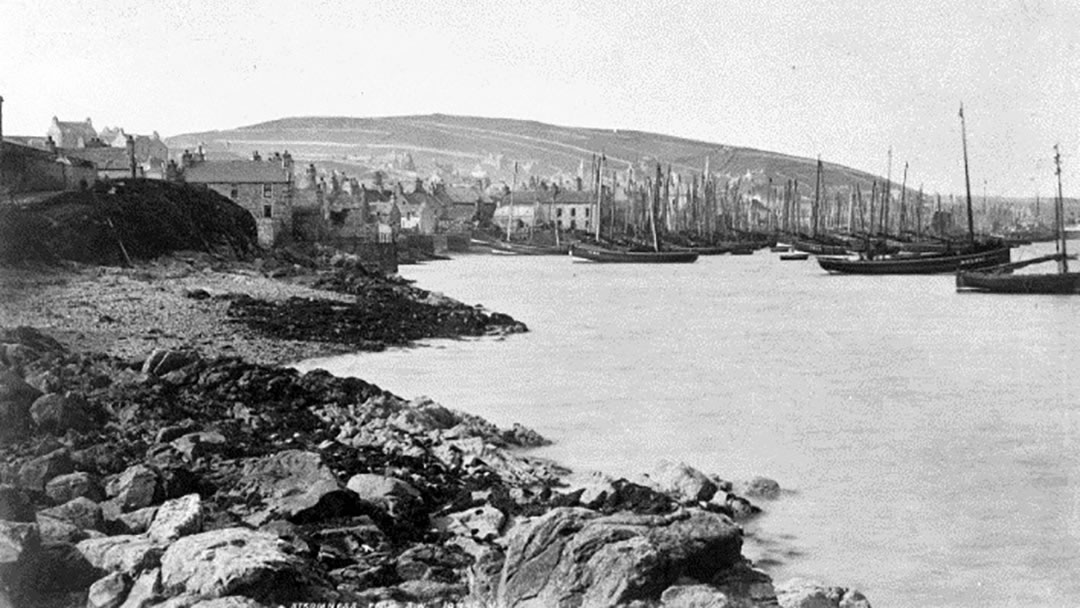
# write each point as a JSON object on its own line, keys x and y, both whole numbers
{"x": 255, "y": 156}
{"x": 201, "y": 153}
{"x": 131, "y": 156}
{"x": 186, "y": 160}
{"x": 50, "y": 143}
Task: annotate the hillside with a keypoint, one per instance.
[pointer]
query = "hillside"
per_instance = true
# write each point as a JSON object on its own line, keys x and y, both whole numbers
{"x": 465, "y": 147}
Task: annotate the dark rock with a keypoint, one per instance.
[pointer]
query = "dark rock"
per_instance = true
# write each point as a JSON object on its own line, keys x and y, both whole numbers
{"x": 65, "y": 487}
{"x": 79, "y": 511}
{"x": 196, "y": 294}
{"x": 196, "y": 445}
{"x": 53, "y": 530}
{"x": 20, "y": 546}
{"x": 61, "y": 567}
{"x": 16, "y": 396}
{"x": 55, "y": 413}
{"x": 340, "y": 546}
{"x": 524, "y": 437}
{"x": 294, "y": 485}
{"x": 137, "y": 487}
{"x": 626, "y": 496}
{"x": 36, "y": 472}
{"x": 137, "y": 521}
{"x": 15, "y": 505}
{"x": 425, "y": 562}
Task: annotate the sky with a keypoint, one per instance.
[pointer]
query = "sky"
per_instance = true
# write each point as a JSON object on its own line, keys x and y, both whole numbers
{"x": 840, "y": 79}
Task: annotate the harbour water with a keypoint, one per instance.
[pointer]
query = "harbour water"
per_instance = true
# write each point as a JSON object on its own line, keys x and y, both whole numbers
{"x": 927, "y": 439}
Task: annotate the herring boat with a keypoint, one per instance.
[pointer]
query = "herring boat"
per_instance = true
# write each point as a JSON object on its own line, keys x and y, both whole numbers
{"x": 794, "y": 256}
{"x": 508, "y": 247}
{"x": 1001, "y": 279}
{"x": 617, "y": 256}
{"x": 917, "y": 264}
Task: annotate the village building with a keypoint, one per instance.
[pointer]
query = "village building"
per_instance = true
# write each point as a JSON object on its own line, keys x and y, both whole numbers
{"x": 263, "y": 187}
{"x": 570, "y": 210}
{"x": 69, "y": 135}
{"x": 462, "y": 207}
{"x": 419, "y": 209}
{"x": 27, "y": 169}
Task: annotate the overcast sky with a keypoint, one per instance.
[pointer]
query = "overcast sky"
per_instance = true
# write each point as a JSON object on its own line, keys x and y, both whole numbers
{"x": 837, "y": 79}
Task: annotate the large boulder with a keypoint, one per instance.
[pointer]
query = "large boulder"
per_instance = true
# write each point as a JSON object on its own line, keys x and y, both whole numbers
{"x": 127, "y": 553}
{"x": 394, "y": 496}
{"x": 804, "y": 593}
{"x": 760, "y": 487}
{"x": 681, "y": 481}
{"x": 36, "y": 472}
{"x": 293, "y": 485}
{"x": 20, "y": 545}
{"x": 79, "y": 511}
{"x": 237, "y": 561}
{"x": 65, "y": 487}
{"x": 574, "y": 556}
{"x": 55, "y": 413}
{"x": 15, "y": 505}
{"x": 137, "y": 487}
{"x": 16, "y": 396}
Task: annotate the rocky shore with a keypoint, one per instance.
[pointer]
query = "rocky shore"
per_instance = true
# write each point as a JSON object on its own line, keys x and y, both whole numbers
{"x": 155, "y": 453}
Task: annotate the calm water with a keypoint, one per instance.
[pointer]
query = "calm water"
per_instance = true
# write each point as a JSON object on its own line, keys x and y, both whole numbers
{"x": 928, "y": 438}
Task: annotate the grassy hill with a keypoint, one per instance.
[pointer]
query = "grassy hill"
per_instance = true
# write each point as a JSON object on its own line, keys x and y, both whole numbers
{"x": 466, "y": 145}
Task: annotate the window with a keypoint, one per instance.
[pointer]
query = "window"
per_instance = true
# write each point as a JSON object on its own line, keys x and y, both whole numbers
{"x": 573, "y": 212}
{"x": 573, "y": 223}
{"x": 558, "y": 212}
{"x": 268, "y": 211}
{"x": 586, "y": 212}
{"x": 268, "y": 190}
{"x": 234, "y": 193}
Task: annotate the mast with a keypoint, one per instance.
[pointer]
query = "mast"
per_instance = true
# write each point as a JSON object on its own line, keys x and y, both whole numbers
{"x": 888, "y": 196}
{"x": 510, "y": 209}
{"x": 967, "y": 177}
{"x": 816, "y": 210}
{"x": 1063, "y": 265}
{"x": 599, "y": 193}
{"x": 654, "y": 195}
{"x": 903, "y": 201}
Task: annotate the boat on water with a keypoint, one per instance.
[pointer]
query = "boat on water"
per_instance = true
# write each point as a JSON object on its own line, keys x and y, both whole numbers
{"x": 604, "y": 255}
{"x": 1002, "y": 279}
{"x": 817, "y": 247}
{"x": 511, "y": 248}
{"x": 933, "y": 263}
{"x": 794, "y": 256}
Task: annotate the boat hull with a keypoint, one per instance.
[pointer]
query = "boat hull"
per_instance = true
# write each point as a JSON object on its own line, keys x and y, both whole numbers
{"x": 818, "y": 248}
{"x": 610, "y": 256}
{"x": 991, "y": 282}
{"x": 933, "y": 264}
{"x": 504, "y": 247}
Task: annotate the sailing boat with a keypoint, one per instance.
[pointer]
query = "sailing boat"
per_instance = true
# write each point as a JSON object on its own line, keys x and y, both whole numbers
{"x": 975, "y": 256}
{"x": 1000, "y": 279}
{"x": 607, "y": 255}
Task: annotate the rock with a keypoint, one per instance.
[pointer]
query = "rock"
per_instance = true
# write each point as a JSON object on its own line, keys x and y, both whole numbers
{"x": 55, "y": 413}
{"x": 55, "y": 530}
{"x": 622, "y": 495}
{"x": 760, "y": 487}
{"x": 233, "y": 601}
{"x": 162, "y": 361}
{"x": 15, "y": 505}
{"x": 79, "y": 511}
{"x": 524, "y": 437}
{"x": 433, "y": 593}
{"x": 65, "y": 487}
{"x": 196, "y": 294}
{"x": 573, "y": 556}
{"x": 198, "y": 444}
{"x": 236, "y": 561}
{"x": 803, "y": 593}
{"x": 44, "y": 381}
{"x": 695, "y": 596}
{"x": 341, "y": 546}
{"x": 394, "y": 496}
{"x": 16, "y": 396}
{"x": 176, "y": 518}
{"x": 137, "y": 521}
{"x": 137, "y": 487}
{"x": 128, "y": 553}
{"x": 739, "y": 507}
{"x": 482, "y": 523}
{"x": 35, "y": 473}
{"x": 294, "y": 485}
{"x": 145, "y": 591}
{"x": 108, "y": 591}
{"x": 431, "y": 563}
{"x": 20, "y": 546}
{"x": 61, "y": 567}
{"x": 682, "y": 482}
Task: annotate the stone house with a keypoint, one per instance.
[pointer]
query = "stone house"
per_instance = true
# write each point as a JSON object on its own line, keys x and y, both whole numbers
{"x": 70, "y": 135}
{"x": 570, "y": 209}
{"x": 263, "y": 187}
{"x": 461, "y": 207}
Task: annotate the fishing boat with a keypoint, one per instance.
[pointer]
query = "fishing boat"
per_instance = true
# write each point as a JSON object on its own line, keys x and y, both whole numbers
{"x": 974, "y": 256}
{"x": 604, "y": 255}
{"x": 508, "y": 247}
{"x": 794, "y": 256}
{"x": 817, "y": 247}
{"x": 1001, "y": 279}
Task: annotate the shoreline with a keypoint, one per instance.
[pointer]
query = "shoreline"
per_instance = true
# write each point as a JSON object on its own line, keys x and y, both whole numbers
{"x": 180, "y": 306}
